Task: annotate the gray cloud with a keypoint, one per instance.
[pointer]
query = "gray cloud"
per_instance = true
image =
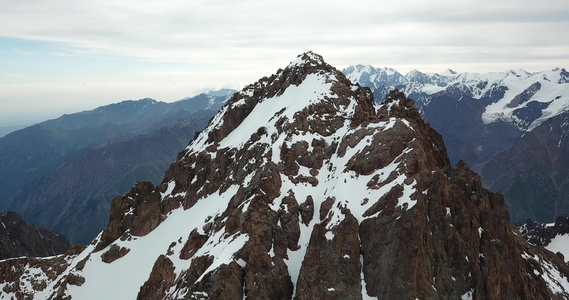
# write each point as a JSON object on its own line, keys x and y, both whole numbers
{"x": 232, "y": 43}
{"x": 198, "y": 30}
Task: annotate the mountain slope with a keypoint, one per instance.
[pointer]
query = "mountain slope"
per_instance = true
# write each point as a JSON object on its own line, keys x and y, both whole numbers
{"x": 4, "y": 130}
{"x": 533, "y": 175}
{"x": 28, "y": 154}
{"x": 302, "y": 187}
{"x": 31, "y": 153}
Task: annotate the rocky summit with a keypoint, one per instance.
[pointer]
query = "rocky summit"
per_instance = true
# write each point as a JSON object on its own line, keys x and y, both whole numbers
{"x": 302, "y": 187}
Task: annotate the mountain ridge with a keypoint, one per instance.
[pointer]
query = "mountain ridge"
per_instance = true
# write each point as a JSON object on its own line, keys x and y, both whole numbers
{"x": 507, "y": 108}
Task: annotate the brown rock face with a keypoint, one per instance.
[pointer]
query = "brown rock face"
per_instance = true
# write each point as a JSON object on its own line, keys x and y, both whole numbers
{"x": 132, "y": 210}
{"x": 160, "y": 280}
{"x": 328, "y": 198}
{"x": 331, "y": 267}
{"x": 115, "y": 252}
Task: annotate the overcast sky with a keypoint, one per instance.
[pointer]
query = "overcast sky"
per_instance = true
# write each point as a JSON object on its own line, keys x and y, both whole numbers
{"x": 64, "y": 56}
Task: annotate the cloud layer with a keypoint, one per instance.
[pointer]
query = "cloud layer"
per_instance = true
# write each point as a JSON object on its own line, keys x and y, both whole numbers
{"x": 234, "y": 42}
{"x": 236, "y": 34}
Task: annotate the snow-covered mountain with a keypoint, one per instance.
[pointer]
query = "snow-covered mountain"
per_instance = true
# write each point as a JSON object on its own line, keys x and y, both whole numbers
{"x": 303, "y": 187}
{"x": 516, "y": 96}
{"x": 508, "y": 126}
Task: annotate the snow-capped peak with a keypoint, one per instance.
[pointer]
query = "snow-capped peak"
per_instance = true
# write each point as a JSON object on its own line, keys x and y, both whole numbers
{"x": 367, "y": 75}
{"x": 449, "y": 72}
{"x": 306, "y": 83}
{"x": 307, "y": 57}
{"x": 414, "y": 73}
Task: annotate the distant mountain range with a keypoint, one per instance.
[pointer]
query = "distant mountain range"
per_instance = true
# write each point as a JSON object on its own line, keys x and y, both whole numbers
{"x": 483, "y": 117}
{"x": 534, "y": 173}
{"x": 63, "y": 173}
{"x": 517, "y": 97}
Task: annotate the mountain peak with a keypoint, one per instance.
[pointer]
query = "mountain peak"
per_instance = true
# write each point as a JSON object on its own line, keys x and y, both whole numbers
{"x": 414, "y": 73}
{"x": 367, "y": 75}
{"x": 307, "y": 96}
{"x": 307, "y": 57}
{"x": 398, "y": 105}
{"x": 449, "y": 72}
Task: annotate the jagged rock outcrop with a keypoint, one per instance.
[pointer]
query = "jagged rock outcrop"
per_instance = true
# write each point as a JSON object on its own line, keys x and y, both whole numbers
{"x": 301, "y": 187}
{"x": 541, "y": 234}
{"x": 17, "y": 238}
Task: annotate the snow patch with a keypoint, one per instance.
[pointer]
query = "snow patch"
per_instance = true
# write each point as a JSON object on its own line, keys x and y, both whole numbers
{"x": 468, "y": 295}
{"x": 169, "y": 189}
{"x": 556, "y": 282}
{"x": 405, "y": 201}
{"x": 292, "y": 100}
{"x": 560, "y": 244}
{"x": 123, "y": 278}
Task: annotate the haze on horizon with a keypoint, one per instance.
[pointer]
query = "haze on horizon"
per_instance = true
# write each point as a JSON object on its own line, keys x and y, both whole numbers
{"x": 68, "y": 56}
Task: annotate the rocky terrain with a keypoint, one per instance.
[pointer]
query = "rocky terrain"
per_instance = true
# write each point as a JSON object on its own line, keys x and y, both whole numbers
{"x": 17, "y": 238}
{"x": 302, "y": 187}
